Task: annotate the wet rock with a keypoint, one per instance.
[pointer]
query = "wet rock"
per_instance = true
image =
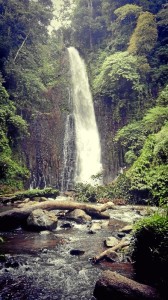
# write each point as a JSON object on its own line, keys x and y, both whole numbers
{"x": 126, "y": 229}
{"x": 45, "y": 232}
{"x": 44, "y": 251}
{"x": 77, "y": 252}
{"x": 104, "y": 224}
{"x": 79, "y": 216}
{"x": 115, "y": 286}
{"x": 66, "y": 225}
{"x": 111, "y": 241}
{"x": 50, "y": 199}
{"x": 144, "y": 213}
{"x": 41, "y": 220}
{"x": 42, "y": 199}
{"x": 11, "y": 263}
{"x": 26, "y": 200}
{"x": 94, "y": 227}
{"x": 116, "y": 224}
{"x": 121, "y": 234}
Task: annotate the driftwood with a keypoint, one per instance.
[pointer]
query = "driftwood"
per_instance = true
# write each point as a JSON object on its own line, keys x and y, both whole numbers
{"x": 16, "y": 217}
{"x": 105, "y": 254}
{"x": 115, "y": 286}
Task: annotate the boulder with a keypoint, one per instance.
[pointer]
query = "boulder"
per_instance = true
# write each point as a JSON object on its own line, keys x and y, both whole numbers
{"x": 78, "y": 215}
{"x": 94, "y": 227}
{"x": 111, "y": 241}
{"x": 41, "y": 220}
{"x": 115, "y": 286}
{"x": 126, "y": 229}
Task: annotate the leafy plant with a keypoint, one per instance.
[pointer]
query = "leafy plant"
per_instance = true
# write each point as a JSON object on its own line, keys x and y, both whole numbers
{"x": 144, "y": 37}
{"x": 85, "y": 192}
{"x": 150, "y": 250}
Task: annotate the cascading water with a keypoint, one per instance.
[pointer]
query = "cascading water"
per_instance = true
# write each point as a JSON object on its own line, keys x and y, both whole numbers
{"x": 88, "y": 150}
{"x": 69, "y": 155}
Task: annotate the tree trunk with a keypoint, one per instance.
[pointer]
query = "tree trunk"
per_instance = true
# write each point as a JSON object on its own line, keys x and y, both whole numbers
{"x": 115, "y": 286}
{"x": 20, "y": 48}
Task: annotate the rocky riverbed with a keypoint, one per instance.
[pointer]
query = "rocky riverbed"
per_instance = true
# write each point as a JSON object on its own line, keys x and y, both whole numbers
{"x": 58, "y": 264}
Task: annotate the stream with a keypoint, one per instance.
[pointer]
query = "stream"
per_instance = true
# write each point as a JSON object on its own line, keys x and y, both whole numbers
{"x": 40, "y": 266}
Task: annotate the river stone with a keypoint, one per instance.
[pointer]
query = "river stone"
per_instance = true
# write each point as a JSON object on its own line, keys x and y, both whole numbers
{"x": 111, "y": 241}
{"x": 42, "y": 220}
{"x": 79, "y": 216}
{"x": 126, "y": 229}
{"x": 94, "y": 227}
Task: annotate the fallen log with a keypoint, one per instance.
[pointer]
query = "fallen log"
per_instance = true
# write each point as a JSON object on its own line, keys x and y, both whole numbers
{"x": 105, "y": 254}
{"x": 115, "y": 286}
{"x": 48, "y": 192}
{"x": 16, "y": 217}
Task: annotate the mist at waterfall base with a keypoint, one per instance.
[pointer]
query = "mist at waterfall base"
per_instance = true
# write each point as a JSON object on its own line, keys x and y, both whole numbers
{"x": 87, "y": 142}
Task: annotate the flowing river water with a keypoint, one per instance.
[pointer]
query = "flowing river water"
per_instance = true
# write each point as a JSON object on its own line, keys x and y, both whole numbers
{"x": 41, "y": 266}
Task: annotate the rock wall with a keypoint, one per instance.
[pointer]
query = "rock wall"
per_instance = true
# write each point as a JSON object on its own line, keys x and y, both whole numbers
{"x": 42, "y": 151}
{"x": 112, "y": 156}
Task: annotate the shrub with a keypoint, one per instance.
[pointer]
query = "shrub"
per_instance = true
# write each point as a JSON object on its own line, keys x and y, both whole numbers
{"x": 85, "y": 192}
{"x": 150, "y": 250}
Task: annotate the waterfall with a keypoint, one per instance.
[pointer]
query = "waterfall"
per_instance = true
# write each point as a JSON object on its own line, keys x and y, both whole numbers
{"x": 88, "y": 150}
{"x": 68, "y": 154}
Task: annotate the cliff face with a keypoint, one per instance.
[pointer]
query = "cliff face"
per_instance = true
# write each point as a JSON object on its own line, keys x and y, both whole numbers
{"x": 44, "y": 147}
{"x": 42, "y": 151}
{"x": 112, "y": 159}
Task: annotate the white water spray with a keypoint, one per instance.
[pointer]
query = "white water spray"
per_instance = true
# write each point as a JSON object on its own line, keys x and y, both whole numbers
{"x": 88, "y": 157}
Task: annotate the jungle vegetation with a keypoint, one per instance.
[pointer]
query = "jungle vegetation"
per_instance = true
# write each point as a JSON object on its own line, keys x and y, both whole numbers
{"x": 124, "y": 43}
{"x": 125, "y": 46}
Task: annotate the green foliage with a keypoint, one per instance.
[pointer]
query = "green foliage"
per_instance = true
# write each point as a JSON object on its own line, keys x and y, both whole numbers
{"x": 47, "y": 192}
{"x": 117, "y": 71}
{"x": 12, "y": 126}
{"x": 149, "y": 174}
{"x": 161, "y": 148}
{"x": 88, "y": 24}
{"x": 144, "y": 37}
{"x": 130, "y": 157}
{"x": 132, "y": 138}
{"x": 128, "y": 11}
{"x": 162, "y": 100}
{"x": 155, "y": 118}
{"x": 119, "y": 81}
{"x": 85, "y": 192}
{"x": 116, "y": 190}
{"x": 122, "y": 187}
{"x": 150, "y": 250}
{"x": 123, "y": 26}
